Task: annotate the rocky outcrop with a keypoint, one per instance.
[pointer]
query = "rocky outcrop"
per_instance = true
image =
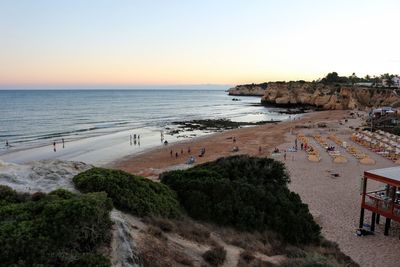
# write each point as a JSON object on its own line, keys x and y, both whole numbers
{"x": 249, "y": 90}
{"x": 328, "y": 97}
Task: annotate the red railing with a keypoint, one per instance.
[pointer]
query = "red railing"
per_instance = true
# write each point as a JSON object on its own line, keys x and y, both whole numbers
{"x": 378, "y": 202}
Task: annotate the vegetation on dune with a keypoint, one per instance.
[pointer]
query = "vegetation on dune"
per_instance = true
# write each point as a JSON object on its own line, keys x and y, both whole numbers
{"x": 215, "y": 256}
{"x": 55, "y": 229}
{"x": 134, "y": 194}
{"x": 248, "y": 193}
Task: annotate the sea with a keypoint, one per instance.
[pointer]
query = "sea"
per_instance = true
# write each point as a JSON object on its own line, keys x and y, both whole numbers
{"x": 30, "y": 119}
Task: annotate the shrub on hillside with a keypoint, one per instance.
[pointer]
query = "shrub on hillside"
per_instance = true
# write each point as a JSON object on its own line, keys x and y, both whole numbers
{"x": 58, "y": 229}
{"x": 248, "y": 193}
{"x": 134, "y": 194}
{"x": 215, "y": 256}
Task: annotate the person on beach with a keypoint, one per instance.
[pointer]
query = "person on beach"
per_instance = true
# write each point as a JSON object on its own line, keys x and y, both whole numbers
{"x": 176, "y": 155}
{"x": 181, "y": 151}
{"x": 63, "y": 142}
{"x": 284, "y": 156}
{"x": 189, "y": 150}
{"x": 170, "y": 152}
{"x": 234, "y": 139}
{"x": 134, "y": 136}
{"x": 54, "y": 146}
{"x": 301, "y": 146}
{"x": 259, "y": 149}
{"x": 295, "y": 143}
{"x": 138, "y": 136}
{"x": 7, "y": 145}
{"x": 165, "y": 142}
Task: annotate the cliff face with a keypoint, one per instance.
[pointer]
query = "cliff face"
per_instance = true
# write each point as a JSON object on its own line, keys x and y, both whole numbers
{"x": 328, "y": 96}
{"x": 249, "y": 90}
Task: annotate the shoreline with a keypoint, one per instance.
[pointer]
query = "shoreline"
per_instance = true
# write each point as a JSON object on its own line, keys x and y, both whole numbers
{"x": 218, "y": 144}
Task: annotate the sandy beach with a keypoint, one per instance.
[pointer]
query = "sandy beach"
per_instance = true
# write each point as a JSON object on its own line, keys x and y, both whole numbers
{"x": 334, "y": 201}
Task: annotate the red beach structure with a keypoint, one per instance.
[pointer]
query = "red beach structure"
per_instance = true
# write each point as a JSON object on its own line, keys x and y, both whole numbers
{"x": 384, "y": 202}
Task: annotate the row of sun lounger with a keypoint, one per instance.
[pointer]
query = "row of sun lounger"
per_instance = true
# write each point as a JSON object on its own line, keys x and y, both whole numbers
{"x": 382, "y": 143}
{"x": 335, "y": 154}
{"x": 312, "y": 152}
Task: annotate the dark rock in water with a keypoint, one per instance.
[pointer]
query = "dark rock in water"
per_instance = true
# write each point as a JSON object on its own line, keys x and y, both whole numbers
{"x": 215, "y": 124}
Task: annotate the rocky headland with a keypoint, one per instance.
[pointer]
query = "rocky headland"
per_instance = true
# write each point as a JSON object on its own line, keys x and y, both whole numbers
{"x": 249, "y": 89}
{"x": 323, "y": 96}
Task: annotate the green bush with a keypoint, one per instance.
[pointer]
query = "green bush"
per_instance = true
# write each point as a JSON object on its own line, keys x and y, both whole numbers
{"x": 58, "y": 229}
{"x": 248, "y": 193}
{"x": 136, "y": 195}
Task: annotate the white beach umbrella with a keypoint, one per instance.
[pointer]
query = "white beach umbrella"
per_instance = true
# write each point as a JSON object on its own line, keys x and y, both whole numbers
{"x": 385, "y": 140}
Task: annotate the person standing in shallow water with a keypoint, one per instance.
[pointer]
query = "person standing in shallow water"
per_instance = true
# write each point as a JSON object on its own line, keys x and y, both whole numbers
{"x": 54, "y": 146}
{"x": 63, "y": 142}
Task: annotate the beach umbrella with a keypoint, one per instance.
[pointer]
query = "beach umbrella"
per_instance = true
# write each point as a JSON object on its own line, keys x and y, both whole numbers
{"x": 398, "y": 161}
{"x": 393, "y": 143}
{"x": 367, "y": 161}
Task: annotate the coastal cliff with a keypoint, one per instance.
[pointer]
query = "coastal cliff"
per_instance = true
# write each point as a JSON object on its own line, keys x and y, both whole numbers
{"x": 328, "y": 97}
{"x": 249, "y": 90}
{"x": 320, "y": 95}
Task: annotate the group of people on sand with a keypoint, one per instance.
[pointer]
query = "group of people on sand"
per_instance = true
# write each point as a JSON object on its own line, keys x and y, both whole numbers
{"x": 55, "y": 144}
{"x": 171, "y": 152}
{"x": 135, "y": 138}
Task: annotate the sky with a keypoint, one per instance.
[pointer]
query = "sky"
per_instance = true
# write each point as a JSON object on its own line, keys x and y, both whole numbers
{"x": 137, "y": 43}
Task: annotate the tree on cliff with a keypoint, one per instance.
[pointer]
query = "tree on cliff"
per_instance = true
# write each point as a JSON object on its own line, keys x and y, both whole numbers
{"x": 333, "y": 77}
{"x": 354, "y": 79}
